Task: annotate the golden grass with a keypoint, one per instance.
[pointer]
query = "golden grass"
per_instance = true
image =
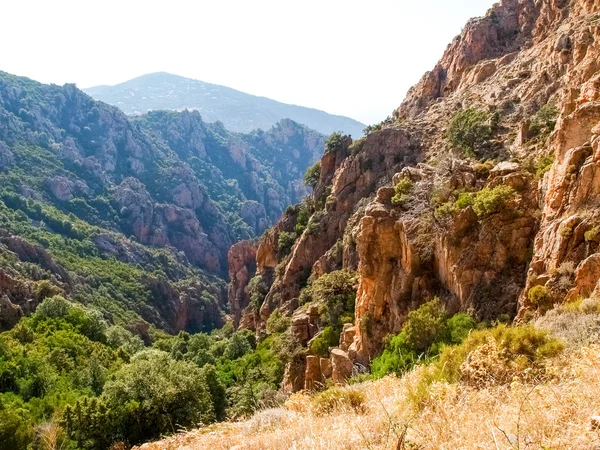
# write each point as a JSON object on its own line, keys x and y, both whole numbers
{"x": 553, "y": 415}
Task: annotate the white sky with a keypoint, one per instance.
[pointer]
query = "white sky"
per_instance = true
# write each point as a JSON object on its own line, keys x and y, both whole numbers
{"x": 355, "y": 58}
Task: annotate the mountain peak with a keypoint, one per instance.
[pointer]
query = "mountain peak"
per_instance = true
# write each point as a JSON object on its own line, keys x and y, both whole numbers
{"x": 237, "y": 110}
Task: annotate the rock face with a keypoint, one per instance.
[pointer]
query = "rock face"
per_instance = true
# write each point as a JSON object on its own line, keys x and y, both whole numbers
{"x": 568, "y": 241}
{"x": 341, "y": 366}
{"x": 242, "y": 267}
{"x": 477, "y": 263}
{"x": 517, "y": 225}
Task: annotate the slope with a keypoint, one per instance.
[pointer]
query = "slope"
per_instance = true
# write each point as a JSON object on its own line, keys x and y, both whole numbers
{"x": 237, "y": 110}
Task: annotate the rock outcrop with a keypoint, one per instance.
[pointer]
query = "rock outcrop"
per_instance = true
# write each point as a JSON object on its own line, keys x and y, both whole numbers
{"x": 242, "y": 267}
{"x": 525, "y": 64}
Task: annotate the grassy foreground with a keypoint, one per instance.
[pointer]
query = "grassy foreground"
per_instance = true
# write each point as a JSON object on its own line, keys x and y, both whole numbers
{"x": 550, "y": 412}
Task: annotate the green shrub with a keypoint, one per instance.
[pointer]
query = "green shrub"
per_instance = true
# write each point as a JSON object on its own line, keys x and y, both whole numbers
{"x": 513, "y": 349}
{"x": 357, "y": 145}
{"x": 492, "y": 200}
{"x": 459, "y": 327}
{"x": 337, "y": 291}
{"x": 544, "y": 121}
{"x": 425, "y": 331}
{"x": 469, "y": 129}
{"x": 304, "y": 214}
{"x": 285, "y": 242}
{"x": 464, "y": 200}
{"x": 425, "y": 325}
{"x": 334, "y": 143}
{"x": 320, "y": 344}
{"x": 277, "y": 322}
{"x": 592, "y": 235}
{"x": 312, "y": 175}
{"x": 539, "y": 296}
{"x": 402, "y": 189}
{"x": 257, "y": 289}
{"x": 154, "y": 394}
{"x": 544, "y": 165}
{"x": 16, "y": 427}
{"x": 339, "y": 398}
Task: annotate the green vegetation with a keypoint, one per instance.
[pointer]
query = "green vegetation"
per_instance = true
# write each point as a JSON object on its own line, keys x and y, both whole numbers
{"x": 402, "y": 191}
{"x": 544, "y": 165}
{"x": 492, "y": 200}
{"x": 335, "y": 143}
{"x": 425, "y": 332}
{"x": 521, "y": 351}
{"x": 321, "y": 343}
{"x": 592, "y": 235}
{"x": 336, "y": 293}
{"x": 544, "y": 121}
{"x": 64, "y": 363}
{"x": 338, "y": 398}
{"x": 469, "y": 130}
{"x": 539, "y": 296}
{"x": 311, "y": 177}
{"x": 485, "y": 202}
{"x": 285, "y": 242}
{"x": 87, "y": 196}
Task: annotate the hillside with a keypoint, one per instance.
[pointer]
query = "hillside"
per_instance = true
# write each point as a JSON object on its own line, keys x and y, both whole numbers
{"x": 438, "y": 289}
{"x": 237, "y": 110}
{"x": 475, "y": 206}
{"x": 83, "y": 185}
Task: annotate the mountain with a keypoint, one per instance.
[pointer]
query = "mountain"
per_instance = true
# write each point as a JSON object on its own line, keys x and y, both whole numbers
{"x": 78, "y": 170}
{"x": 237, "y": 110}
{"x": 444, "y": 269}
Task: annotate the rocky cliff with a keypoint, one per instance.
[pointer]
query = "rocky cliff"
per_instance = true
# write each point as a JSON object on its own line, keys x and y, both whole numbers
{"x": 430, "y": 204}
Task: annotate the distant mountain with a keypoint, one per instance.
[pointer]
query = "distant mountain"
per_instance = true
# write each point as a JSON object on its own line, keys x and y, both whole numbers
{"x": 237, "y": 110}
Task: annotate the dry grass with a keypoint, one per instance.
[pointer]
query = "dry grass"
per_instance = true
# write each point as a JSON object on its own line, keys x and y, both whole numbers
{"x": 550, "y": 415}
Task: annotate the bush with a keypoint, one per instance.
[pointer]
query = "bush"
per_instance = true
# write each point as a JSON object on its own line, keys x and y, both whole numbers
{"x": 425, "y": 331}
{"x": 119, "y": 337}
{"x": 592, "y": 235}
{"x": 334, "y": 143}
{"x": 321, "y": 343}
{"x": 312, "y": 175}
{"x": 544, "y": 121}
{"x": 403, "y": 188}
{"x": 492, "y": 200}
{"x": 339, "y": 398}
{"x": 544, "y": 165}
{"x": 425, "y": 325}
{"x": 285, "y": 242}
{"x": 278, "y": 323}
{"x": 539, "y": 296}
{"x": 469, "y": 129}
{"x": 154, "y": 394}
{"x": 459, "y": 327}
{"x": 257, "y": 289}
{"x": 498, "y": 355}
{"x": 464, "y": 200}
{"x": 337, "y": 291}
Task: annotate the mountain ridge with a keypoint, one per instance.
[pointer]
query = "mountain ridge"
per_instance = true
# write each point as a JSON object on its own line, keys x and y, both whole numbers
{"x": 238, "y": 110}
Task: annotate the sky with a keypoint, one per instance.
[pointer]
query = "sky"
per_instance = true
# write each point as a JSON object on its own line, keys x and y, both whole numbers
{"x": 347, "y": 57}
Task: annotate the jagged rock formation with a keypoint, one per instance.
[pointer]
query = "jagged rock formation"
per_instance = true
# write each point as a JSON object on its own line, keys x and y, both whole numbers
{"x": 242, "y": 267}
{"x": 522, "y": 57}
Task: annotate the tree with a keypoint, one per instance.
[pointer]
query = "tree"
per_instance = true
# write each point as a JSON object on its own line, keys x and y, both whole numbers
{"x": 311, "y": 177}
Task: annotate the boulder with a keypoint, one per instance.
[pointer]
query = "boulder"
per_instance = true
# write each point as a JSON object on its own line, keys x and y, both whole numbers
{"x": 341, "y": 366}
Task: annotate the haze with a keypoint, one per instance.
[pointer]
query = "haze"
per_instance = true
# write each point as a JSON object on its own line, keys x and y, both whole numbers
{"x": 353, "y": 58}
